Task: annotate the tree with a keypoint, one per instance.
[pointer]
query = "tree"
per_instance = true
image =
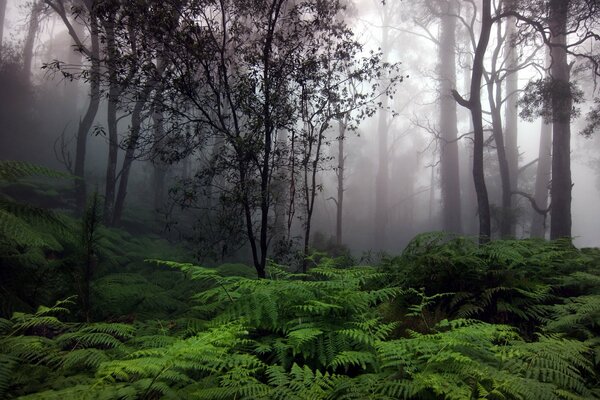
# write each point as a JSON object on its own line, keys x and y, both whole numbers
{"x": 383, "y": 174}
{"x": 473, "y": 104}
{"x": 334, "y": 84}
{"x": 86, "y": 10}
{"x": 449, "y": 174}
{"x": 446, "y": 13}
{"x": 560, "y": 190}
{"x": 554, "y": 21}
{"x": 32, "y": 31}
{"x": 237, "y": 80}
{"x": 2, "y": 16}
{"x": 512, "y": 67}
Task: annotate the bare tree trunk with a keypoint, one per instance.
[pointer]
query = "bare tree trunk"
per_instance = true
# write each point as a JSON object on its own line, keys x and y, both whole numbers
{"x": 469, "y": 195}
{"x": 474, "y": 105}
{"x": 2, "y": 15}
{"x": 542, "y": 181}
{"x": 114, "y": 92}
{"x": 382, "y": 178}
{"x": 340, "y": 182}
{"x": 511, "y": 116}
{"x": 495, "y": 99}
{"x": 310, "y": 166}
{"x": 449, "y": 166}
{"x": 136, "y": 126}
{"x": 32, "y": 31}
{"x": 86, "y": 123}
{"x": 159, "y": 171}
{"x": 560, "y": 191}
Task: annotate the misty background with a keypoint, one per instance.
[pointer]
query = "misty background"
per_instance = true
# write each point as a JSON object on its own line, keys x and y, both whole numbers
{"x": 391, "y": 193}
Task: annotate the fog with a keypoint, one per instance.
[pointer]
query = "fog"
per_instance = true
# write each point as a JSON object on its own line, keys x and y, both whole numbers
{"x": 42, "y": 108}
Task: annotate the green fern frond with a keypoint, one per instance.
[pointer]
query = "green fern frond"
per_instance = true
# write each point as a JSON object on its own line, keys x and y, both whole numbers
{"x": 14, "y": 170}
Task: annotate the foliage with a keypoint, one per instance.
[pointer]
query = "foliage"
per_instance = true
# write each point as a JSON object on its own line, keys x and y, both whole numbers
{"x": 336, "y": 332}
{"x": 536, "y": 100}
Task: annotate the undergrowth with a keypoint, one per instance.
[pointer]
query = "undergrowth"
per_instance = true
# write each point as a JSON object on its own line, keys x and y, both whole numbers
{"x": 522, "y": 323}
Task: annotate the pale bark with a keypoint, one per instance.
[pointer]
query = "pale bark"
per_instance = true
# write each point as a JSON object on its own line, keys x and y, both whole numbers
{"x": 32, "y": 31}
{"x": 449, "y": 163}
{"x": 2, "y": 16}
{"x": 511, "y": 115}
{"x": 382, "y": 177}
{"x": 340, "y": 183}
{"x": 542, "y": 181}
{"x": 114, "y": 93}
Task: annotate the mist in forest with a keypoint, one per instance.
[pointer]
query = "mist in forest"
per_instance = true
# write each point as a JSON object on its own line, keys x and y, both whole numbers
{"x": 365, "y": 151}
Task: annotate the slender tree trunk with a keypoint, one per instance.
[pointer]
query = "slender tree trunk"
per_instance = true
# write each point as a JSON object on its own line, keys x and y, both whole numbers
{"x": 449, "y": 165}
{"x": 71, "y": 88}
{"x": 279, "y": 190}
{"x": 560, "y": 191}
{"x": 511, "y": 116}
{"x": 469, "y": 195}
{"x": 474, "y": 105}
{"x": 382, "y": 178}
{"x": 2, "y": 15}
{"x": 114, "y": 92}
{"x": 543, "y": 172}
{"x": 542, "y": 181}
{"x": 32, "y": 31}
{"x": 136, "y": 127}
{"x": 340, "y": 182}
{"x": 311, "y": 186}
{"x": 85, "y": 124}
{"x": 495, "y": 98}
{"x": 159, "y": 170}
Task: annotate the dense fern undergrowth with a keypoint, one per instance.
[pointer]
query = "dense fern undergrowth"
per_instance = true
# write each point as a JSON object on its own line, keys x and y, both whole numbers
{"x": 88, "y": 312}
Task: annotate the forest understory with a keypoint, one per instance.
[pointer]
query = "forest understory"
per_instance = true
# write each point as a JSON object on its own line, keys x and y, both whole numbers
{"x": 299, "y": 199}
{"x": 89, "y": 312}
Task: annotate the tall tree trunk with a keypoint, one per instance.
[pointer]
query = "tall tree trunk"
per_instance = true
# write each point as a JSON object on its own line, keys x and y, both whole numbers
{"x": 474, "y": 105}
{"x": 449, "y": 165}
{"x": 469, "y": 197}
{"x": 382, "y": 178}
{"x": 2, "y": 15}
{"x": 543, "y": 172}
{"x": 560, "y": 191}
{"x": 279, "y": 190}
{"x": 310, "y": 167}
{"x": 511, "y": 116}
{"x": 160, "y": 168}
{"x": 114, "y": 92}
{"x": 495, "y": 98}
{"x": 85, "y": 124}
{"x": 136, "y": 127}
{"x": 340, "y": 182}
{"x": 542, "y": 180}
{"x": 32, "y": 31}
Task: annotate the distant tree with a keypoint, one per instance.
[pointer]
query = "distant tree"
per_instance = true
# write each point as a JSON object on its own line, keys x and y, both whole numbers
{"x": 449, "y": 174}
{"x": 35, "y": 15}
{"x": 2, "y": 17}
{"x": 86, "y": 11}
{"x": 333, "y": 84}
{"x": 382, "y": 179}
{"x": 444, "y": 15}
{"x": 543, "y": 174}
{"x": 511, "y": 67}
